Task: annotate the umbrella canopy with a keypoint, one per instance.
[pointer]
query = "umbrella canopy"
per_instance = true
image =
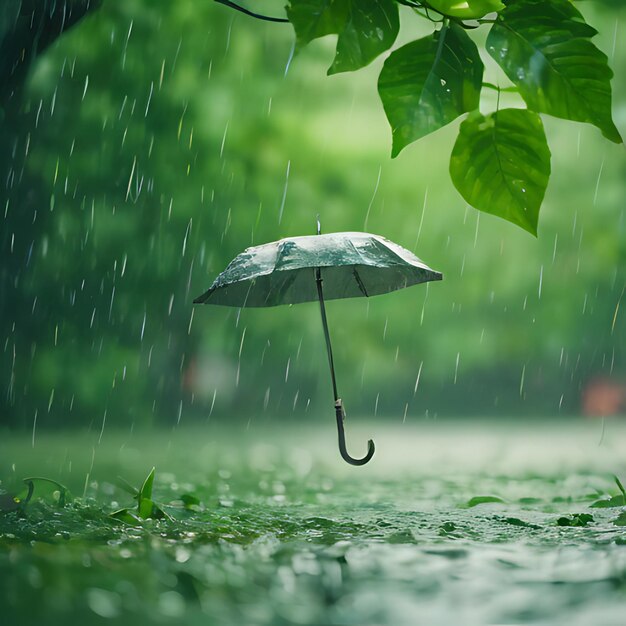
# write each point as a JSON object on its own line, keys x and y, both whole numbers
{"x": 318, "y": 267}
{"x": 283, "y": 272}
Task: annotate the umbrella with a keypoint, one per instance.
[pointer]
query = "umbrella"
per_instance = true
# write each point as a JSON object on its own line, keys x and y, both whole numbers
{"x": 318, "y": 267}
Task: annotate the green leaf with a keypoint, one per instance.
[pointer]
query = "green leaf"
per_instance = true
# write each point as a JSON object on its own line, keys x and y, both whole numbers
{"x": 122, "y": 483}
{"x": 428, "y": 83}
{"x": 127, "y": 516}
{"x": 469, "y": 9}
{"x": 476, "y": 500}
{"x": 62, "y": 491}
{"x": 146, "y": 488}
{"x": 145, "y": 508}
{"x": 611, "y": 502}
{"x": 577, "y": 520}
{"x": 514, "y": 521}
{"x": 447, "y": 527}
{"x": 366, "y": 28}
{"x": 315, "y": 18}
{"x": 545, "y": 48}
{"x": 500, "y": 164}
{"x": 190, "y": 501}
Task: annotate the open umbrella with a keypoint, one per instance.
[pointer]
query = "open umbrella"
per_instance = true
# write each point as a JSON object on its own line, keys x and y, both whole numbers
{"x": 318, "y": 267}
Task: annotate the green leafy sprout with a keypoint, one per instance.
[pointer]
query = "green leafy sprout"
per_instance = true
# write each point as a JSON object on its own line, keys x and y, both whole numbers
{"x": 500, "y": 163}
{"x": 146, "y": 508}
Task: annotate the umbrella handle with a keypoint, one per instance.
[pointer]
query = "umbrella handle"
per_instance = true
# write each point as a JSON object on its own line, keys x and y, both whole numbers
{"x": 342, "y": 440}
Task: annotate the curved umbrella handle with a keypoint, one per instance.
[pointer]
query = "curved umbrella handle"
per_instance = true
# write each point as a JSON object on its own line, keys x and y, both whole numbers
{"x": 342, "y": 440}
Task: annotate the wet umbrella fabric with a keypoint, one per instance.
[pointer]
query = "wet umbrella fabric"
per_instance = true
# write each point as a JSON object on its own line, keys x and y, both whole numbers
{"x": 318, "y": 267}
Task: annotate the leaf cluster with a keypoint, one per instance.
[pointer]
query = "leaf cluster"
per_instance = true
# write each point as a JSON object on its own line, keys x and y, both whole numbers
{"x": 500, "y": 162}
{"x": 147, "y": 507}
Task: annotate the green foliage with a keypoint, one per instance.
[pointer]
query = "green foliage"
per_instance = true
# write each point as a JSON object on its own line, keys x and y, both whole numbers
{"x": 607, "y": 503}
{"x": 544, "y": 48}
{"x": 147, "y": 507}
{"x": 476, "y": 500}
{"x": 365, "y": 28}
{"x": 428, "y": 83}
{"x": 60, "y": 494}
{"x": 502, "y": 163}
{"x": 618, "y": 482}
{"x": 613, "y": 501}
{"x": 514, "y": 521}
{"x": 575, "y": 520}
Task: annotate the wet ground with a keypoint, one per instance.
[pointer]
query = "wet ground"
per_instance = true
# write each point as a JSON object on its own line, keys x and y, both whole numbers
{"x": 451, "y": 523}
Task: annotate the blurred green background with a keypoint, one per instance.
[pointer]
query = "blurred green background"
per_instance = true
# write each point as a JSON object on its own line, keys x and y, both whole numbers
{"x": 157, "y": 139}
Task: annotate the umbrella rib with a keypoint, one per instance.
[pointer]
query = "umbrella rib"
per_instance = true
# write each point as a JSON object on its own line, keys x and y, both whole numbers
{"x": 360, "y": 282}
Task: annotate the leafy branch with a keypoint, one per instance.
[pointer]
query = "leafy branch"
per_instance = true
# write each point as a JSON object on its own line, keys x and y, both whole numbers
{"x": 500, "y": 162}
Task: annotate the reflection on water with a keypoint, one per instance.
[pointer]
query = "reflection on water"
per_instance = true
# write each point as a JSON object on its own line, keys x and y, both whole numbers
{"x": 449, "y": 524}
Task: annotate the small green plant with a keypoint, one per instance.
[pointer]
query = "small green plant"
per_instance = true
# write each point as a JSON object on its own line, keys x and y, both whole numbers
{"x": 476, "y": 500}
{"x": 146, "y": 507}
{"x": 576, "y": 520}
{"x": 613, "y": 501}
{"x": 10, "y": 502}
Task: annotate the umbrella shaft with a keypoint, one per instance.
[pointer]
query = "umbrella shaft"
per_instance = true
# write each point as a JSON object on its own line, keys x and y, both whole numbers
{"x": 329, "y": 348}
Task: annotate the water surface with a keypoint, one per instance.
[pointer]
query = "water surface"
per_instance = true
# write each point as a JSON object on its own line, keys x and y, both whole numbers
{"x": 451, "y": 523}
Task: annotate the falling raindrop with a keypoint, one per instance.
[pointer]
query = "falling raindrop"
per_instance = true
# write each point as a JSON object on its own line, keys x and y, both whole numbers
{"x": 187, "y": 231}
{"x": 104, "y": 420}
{"x": 213, "y": 402}
{"x": 289, "y": 59}
{"x": 190, "y": 321}
{"x": 476, "y": 231}
{"x": 149, "y": 98}
{"x": 282, "y": 202}
{"x": 369, "y": 206}
{"x": 417, "y": 380}
{"x": 595, "y": 193}
{"x": 34, "y": 427}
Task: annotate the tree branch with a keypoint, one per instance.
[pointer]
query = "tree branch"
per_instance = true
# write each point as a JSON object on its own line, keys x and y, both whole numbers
{"x": 258, "y": 16}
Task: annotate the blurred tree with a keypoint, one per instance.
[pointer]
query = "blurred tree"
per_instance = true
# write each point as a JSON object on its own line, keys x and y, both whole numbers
{"x": 159, "y": 139}
{"x": 27, "y": 28}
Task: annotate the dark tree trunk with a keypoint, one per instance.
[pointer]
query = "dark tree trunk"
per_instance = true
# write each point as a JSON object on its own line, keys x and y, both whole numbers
{"x": 27, "y": 28}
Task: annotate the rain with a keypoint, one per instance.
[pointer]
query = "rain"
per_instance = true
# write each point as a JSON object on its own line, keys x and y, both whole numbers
{"x": 143, "y": 150}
